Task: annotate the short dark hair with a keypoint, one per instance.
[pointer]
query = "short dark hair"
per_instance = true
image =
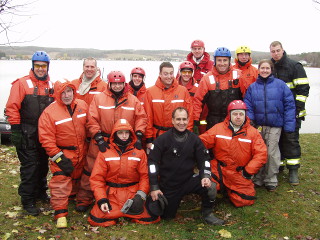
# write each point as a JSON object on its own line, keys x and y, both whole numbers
{"x": 179, "y": 109}
{"x": 165, "y": 64}
{"x": 266, "y": 61}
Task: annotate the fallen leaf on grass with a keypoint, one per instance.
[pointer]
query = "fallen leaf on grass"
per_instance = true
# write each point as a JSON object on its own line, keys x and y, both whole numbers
{"x": 6, "y": 236}
{"x": 14, "y": 231}
{"x": 291, "y": 191}
{"x": 46, "y": 213}
{"x": 224, "y": 233}
{"x": 13, "y": 172}
{"x": 286, "y": 215}
{"x": 11, "y": 214}
{"x": 17, "y": 224}
{"x": 17, "y": 208}
{"x": 94, "y": 229}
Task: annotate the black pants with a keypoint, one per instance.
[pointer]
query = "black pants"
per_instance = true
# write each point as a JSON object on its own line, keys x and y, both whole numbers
{"x": 174, "y": 196}
{"x": 290, "y": 146}
{"x": 33, "y": 173}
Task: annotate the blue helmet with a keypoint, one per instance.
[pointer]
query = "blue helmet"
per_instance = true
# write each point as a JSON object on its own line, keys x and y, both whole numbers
{"x": 222, "y": 52}
{"x": 40, "y": 56}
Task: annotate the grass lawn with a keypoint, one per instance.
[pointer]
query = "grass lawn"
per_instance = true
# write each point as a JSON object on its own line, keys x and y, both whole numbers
{"x": 288, "y": 213}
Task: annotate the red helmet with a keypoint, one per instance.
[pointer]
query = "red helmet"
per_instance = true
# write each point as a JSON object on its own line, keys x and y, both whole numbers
{"x": 116, "y": 76}
{"x": 186, "y": 64}
{"x": 138, "y": 70}
{"x": 237, "y": 105}
{"x": 197, "y": 43}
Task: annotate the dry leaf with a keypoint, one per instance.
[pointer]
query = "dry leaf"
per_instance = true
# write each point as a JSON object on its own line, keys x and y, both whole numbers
{"x": 224, "y": 233}
{"x": 95, "y": 229}
{"x": 6, "y": 236}
{"x": 11, "y": 214}
{"x": 286, "y": 215}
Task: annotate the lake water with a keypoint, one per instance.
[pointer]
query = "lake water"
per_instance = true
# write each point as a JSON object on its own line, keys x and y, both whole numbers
{"x": 11, "y": 70}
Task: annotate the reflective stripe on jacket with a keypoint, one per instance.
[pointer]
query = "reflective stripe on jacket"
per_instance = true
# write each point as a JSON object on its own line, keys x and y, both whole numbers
{"x": 105, "y": 110}
{"x": 28, "y": 98}
{"x": 160, "y": 103}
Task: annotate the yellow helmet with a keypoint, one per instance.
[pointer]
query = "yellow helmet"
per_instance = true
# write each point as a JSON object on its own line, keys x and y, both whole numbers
{"x": 243, "y": 49}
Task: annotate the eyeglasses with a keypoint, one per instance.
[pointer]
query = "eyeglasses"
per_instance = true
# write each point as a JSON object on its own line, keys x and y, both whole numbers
{"x": 43, "y": 66}
{"x": 186, "y": 72}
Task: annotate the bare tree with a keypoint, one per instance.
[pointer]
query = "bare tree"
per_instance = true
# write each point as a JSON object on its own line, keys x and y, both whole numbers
{"x": 12, "y": 13}
{"x": 317, "y": 4}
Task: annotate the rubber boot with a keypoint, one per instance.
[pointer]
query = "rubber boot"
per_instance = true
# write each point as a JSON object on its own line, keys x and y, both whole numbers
{"x": 31, "y": 209}
{"x": 210, "y": 218}
{"x": 62, "y": 222}
{"x": 82, "y": 208}
{"x": 293, "y": 177}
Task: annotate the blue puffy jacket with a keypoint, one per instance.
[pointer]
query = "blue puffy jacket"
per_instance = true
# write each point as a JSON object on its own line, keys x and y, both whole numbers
{"x": 270, "y": 103}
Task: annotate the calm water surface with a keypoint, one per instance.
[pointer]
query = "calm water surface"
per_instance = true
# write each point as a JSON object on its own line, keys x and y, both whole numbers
{"x": 11, "y": 70}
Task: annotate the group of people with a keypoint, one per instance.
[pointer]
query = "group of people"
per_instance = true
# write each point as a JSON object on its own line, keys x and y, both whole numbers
{"x": 135, "y": 152}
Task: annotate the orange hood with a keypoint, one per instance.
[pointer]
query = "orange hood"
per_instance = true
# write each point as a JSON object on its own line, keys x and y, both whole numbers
{"x": 59, "y": 87}
{"x": 123, "y": 124}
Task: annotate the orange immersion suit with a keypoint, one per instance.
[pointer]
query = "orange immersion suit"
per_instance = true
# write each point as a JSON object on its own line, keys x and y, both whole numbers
{"x": 243, "y": 149}
{"x": 62, "y": 129}
{"x": 159, "y": 105}
{"x": 104, "y": 111}
{"x": 117, "y": 176}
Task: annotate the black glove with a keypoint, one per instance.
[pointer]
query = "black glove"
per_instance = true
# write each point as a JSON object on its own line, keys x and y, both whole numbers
{"x": 196, "y": 123}
{"x": 137, "y": 205}
{"x": 138, "y": 144}
{"x": 245, "y": 174}
{"x": 102, "y": 144}
{"x": 104, "y": 200}
{"x": 65, "y": 164}
{"x": 16, "y": 135}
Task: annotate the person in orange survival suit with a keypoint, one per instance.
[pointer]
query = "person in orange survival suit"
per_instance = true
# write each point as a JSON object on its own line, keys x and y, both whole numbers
{"x": 161, "y": 99}
{"x": 62, "y": 133}
{"x": 239, "y": 153}
{"x": 120, "y": 180}
{"x": 137, "y": 85}
{"x": 243, "y": 62}
{"x": 29, "y": 96}
{"x": 200, "y": 60}
{"x": 105, "y": 109}
{"x": 218, "y": 88}
{"x": 185, "y": 78}
{"x": 90, "y": 82}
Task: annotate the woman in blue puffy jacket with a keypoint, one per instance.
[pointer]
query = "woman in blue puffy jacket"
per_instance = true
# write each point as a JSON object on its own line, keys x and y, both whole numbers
{"x": 271, "y": 108}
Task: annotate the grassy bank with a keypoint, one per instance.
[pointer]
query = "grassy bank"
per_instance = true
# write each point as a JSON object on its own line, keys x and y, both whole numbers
{"x": 288, "y": 213}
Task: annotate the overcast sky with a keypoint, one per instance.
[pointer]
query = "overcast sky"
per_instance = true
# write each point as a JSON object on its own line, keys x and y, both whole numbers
{"x": 171, "y": 24}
